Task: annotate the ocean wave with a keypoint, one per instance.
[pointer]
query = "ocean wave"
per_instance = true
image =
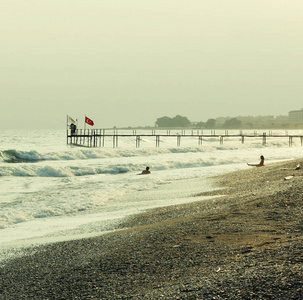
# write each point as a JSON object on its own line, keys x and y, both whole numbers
{"x": 19, "y": 156}
{"x": 82, "y": 162}
{"x": 14, "y": 156}
{"x": 52, "y": 171}
{"x": 58, "y": 170}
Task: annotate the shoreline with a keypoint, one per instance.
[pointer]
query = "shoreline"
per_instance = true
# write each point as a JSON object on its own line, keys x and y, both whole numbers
{"x": 245, "y": 243}
{"x": 15, "y": 248}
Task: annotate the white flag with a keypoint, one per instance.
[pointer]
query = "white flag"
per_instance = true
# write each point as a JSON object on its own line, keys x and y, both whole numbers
{"x": 70, "y": 120}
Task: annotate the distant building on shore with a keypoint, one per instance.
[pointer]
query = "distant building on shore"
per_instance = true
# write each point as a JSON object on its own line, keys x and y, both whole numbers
{"x": 295, "y": 116}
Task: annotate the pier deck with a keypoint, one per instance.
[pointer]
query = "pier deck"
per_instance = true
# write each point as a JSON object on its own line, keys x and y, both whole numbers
{"x": 96, "y": 137}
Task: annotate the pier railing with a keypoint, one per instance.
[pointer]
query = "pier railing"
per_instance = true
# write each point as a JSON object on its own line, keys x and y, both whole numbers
{"x": 96, "y": 137}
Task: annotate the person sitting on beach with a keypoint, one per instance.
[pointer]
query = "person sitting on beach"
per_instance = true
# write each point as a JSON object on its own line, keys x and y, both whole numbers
{"x": 260, "y": 164}
{"x": 146, "y": 171}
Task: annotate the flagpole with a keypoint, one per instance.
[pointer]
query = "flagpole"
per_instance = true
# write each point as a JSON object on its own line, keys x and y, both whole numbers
{"x": 84, "y": 123}
{"x": 66, "y": 129}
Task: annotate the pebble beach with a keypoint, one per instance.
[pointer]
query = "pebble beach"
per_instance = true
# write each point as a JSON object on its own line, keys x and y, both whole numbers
{"x": 245, "y": 242}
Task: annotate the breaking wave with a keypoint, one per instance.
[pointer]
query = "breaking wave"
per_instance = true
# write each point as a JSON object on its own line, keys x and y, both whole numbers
{"x": 18, "y": 156}
{"x": 37, "y": 170}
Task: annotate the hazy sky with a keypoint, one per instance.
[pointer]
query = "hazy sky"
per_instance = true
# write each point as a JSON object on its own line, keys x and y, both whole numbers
{"x": 127, "y": 62}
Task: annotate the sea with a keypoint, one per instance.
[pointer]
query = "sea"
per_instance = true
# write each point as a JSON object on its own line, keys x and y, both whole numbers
{"x": 51, "y": 191}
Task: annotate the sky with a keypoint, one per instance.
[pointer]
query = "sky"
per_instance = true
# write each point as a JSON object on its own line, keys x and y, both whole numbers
{"x": 128, "y": 62}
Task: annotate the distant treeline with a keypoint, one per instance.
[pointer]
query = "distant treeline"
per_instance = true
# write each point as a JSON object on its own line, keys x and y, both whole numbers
{"x": 177, "y": 121}
{"x": 240, "y": 122}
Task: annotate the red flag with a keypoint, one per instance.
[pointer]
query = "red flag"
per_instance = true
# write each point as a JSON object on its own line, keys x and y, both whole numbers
{"x": 89, "y": 121}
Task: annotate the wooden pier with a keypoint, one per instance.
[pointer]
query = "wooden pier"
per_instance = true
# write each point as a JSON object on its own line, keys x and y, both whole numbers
{"x": 96, "y": 137}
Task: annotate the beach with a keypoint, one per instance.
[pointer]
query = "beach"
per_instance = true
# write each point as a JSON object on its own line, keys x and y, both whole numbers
{"x": 244, "y": 243}
{"x": 52, "y": 192}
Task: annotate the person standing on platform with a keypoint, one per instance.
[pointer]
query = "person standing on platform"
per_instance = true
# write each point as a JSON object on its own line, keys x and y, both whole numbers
{"x": 73, "y": 128}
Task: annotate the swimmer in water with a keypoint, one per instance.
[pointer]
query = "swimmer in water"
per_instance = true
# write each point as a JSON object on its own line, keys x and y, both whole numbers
{"x": 146, "y": 171}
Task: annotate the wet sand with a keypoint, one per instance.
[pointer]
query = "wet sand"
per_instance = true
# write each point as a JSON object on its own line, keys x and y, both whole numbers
{"x": 245, "y": 243}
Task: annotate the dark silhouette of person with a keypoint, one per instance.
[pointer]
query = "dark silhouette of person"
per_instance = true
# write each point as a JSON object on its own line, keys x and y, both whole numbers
{"x": 260, "y": 164}
{"x": 146, "y": 171}
{"x": 73, "y": 128}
